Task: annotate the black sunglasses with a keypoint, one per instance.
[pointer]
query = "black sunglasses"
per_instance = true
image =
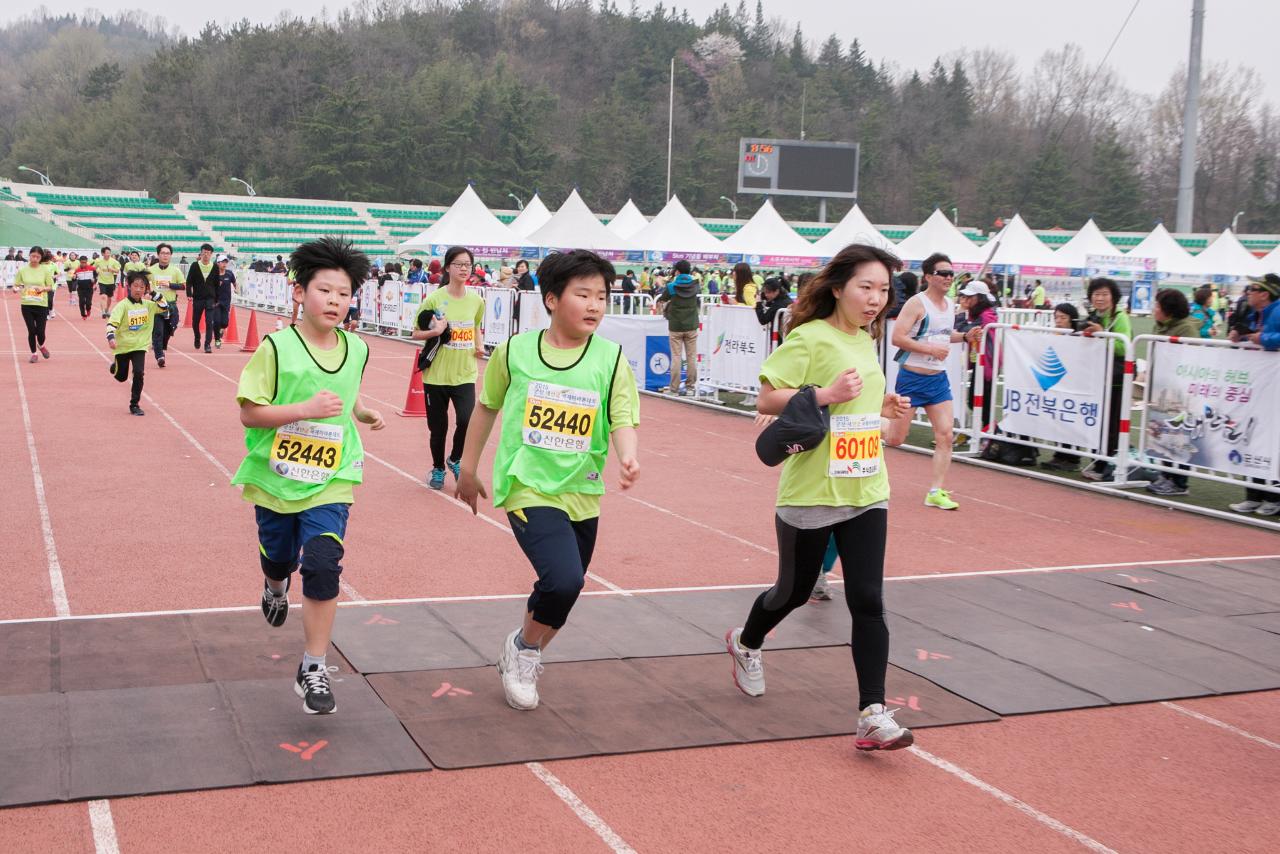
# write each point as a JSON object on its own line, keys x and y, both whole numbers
{"x": 944, "y": 273}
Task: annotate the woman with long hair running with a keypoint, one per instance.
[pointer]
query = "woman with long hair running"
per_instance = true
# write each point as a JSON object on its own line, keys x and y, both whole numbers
{"x": 829, "y": 363}
{"x": 34, "y": 282}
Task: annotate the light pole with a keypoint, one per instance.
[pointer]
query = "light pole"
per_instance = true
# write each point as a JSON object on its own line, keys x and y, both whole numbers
{"x": 519, "y": 204}
{"x": 248, "y": 187}
{"x": 44, "y": 179}
{"x": 733, "y": 206}
{"x": 1236, "y": 219}
{"x": 955, "y": 216}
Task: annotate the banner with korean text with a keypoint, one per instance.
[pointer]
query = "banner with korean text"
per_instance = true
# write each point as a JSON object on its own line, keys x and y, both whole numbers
{"x": 737, "y": 345}
{"x": 499, "y": 307}
{"x": 1055, "y": 387}
{"x": 1214, "y": 407}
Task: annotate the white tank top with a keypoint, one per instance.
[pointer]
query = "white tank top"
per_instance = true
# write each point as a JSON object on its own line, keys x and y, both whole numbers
{"x": 934, "y": 328}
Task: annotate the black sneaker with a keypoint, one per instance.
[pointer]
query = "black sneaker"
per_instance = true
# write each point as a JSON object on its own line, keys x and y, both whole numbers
{"x": 160, "y": 361}
{"x": 275, "y": 608}
{"x": 135, "y": 409}
{"x": 313, "y": 687}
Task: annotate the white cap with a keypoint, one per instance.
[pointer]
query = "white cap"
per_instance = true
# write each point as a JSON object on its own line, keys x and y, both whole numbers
{"x": 975, "y": 288}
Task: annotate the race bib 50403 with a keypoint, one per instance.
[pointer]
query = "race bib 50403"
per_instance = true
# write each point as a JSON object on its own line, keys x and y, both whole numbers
{"x": 559, "y": 418}
{"x": 855, "y": 445}
{"x": 462, "y": 335}
{"x": 308, "y": 451}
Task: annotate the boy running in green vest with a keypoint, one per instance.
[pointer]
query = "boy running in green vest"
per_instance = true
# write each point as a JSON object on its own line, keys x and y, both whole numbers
{"x": 565, "y": 392}
{"x": 129, "y": 333}
{"x": 299, "y": 399}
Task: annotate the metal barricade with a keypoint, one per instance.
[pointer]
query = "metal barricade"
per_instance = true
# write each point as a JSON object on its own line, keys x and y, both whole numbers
{"x": 1025, "y": 316}
{"x": 1120, "y": 459}
{"x": 1190, "y": 419}
{"x": 636, "y": 303}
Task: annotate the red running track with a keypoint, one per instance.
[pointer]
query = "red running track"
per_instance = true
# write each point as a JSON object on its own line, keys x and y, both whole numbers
{"x": 1132, "y": 778}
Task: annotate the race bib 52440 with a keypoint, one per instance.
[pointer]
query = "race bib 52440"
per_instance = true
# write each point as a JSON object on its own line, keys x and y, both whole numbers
{"x": 855, "y": 445}
{"x": 462, "y": 335}
{"x": 308, "y": 451}
{"x": 559, "y": 418}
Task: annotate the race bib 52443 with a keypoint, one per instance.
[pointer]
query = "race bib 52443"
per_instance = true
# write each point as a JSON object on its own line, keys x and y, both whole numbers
{"x": 308, "y": 451}
{"x": 855, "y": 445}
{"x": 559, "y": 418}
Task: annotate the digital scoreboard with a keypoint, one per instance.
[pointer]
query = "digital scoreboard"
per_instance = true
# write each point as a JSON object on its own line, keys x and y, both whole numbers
{"x": 792, "y": 167}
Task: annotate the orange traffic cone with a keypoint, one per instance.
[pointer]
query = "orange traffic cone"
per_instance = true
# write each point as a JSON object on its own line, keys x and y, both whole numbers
{"x": 231, "y": 335}
{"x": 415, "y": 401}
{"x": 186, "y": 316}
{"x": 251, "y": 340}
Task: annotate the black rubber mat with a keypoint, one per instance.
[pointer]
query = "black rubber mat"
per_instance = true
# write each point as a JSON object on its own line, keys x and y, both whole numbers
{"x": 1003, "y": 686}
{"x": 208, "y": 735}
{"x": 1118, "y": 603}
{"x": 1267, "y": 622}
{"x": 459, "y": 718}
{"x": 1188, "y": 592}
{"x": 717, "y": 611}
{"x": 388, "y": 638}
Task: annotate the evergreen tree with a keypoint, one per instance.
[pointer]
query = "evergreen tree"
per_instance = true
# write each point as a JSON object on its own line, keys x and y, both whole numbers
{"x": 1115, "y": 188}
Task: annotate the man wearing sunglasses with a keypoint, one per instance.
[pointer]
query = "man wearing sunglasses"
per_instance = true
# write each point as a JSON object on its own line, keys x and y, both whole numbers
{"x": 923, "y": 333}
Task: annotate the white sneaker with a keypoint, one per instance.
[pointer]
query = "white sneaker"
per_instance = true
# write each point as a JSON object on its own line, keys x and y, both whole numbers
{"x": 877, "y": 730}
{"x": 822, "y": 588}
{"x": 1268, "y": 508}
{"x": 520, "y": 669}
{"x": 1244, "y": 506}
{"x": 748, "y": 665}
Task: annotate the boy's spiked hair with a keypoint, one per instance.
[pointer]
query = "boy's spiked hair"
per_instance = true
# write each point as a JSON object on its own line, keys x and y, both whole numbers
{"x": 329, "y": 253}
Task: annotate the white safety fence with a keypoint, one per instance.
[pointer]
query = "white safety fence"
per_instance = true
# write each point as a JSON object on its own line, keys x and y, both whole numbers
{"x": 1025, "y": 316}
{"x": 1052, "y": 389}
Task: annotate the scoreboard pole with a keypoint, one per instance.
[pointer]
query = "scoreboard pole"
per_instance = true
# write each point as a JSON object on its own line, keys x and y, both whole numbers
{"x": 822, "y": 210}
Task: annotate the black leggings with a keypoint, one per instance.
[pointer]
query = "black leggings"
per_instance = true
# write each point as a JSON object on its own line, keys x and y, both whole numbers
{"x": 438, "y": 397}
{"x": 861, "y": 542}
{"x": 35, "y": 316}
{"x": 136, "y": 359}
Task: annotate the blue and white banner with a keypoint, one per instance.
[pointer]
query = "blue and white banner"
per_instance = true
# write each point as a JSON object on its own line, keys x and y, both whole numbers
{"x": 1214, "y": 407}
{"x": 1055, "y": 387}
{"x": 645, "y": 346}
{"x": 499, "y": 308}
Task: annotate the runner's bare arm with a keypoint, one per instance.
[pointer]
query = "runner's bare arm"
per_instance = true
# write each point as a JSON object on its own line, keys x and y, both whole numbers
{"x": 325, "y": 404}
{"x": 372, "y": 417}
{"x": 626, "y": 442}
{"x": 469, "y": 486}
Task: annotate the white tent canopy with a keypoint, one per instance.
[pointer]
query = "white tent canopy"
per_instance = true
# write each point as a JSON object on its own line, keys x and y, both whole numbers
{"x": 1017, "y": 244}
{"x": 854, "y": 228}
{"x": 574, "y": 226}
{"x": 1160, "y": 245}
{"x": 938, "y": 234}
{"x": 533, "y": 217}
{"x": 767, "y": 233}
{"x": 1089, "y": 240}
{"x": 1226, "y": 256}
{"x": 675, "y": 230}
{"x": 628, "y": 221}
{"x": 1270, "y": 263}
{"x": 467, "y": 223}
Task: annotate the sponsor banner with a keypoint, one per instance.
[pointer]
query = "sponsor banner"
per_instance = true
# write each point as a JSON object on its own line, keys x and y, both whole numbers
{"x": 957, "y": 371}
{"x": 737, "y": 345}
{"x": 1214, "y": 407}
{"x": 389, "y": 304}
{"x": 775, "y": 260}
{"x": 440, "y": 249}
{"x": 410, "y": 302}
{"x": 691, "y": 257}
{"x": 1054, "y": 387}
{"x": 369, "y": 303}
{"x": 645, "y": 346}
{"x": 1140, "y": 298}
{"x": 499, "y": 307}
{"x": 1123, "y": 266}
{"x": 532, "y": 313}
{"x": 1031, "y": 270}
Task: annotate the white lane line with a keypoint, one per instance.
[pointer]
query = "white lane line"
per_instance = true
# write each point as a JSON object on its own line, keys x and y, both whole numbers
{"x": 1031, "y": 569}
{"x": 615, "y": 591}
{"x": 57, "y": 585}
{"x": 226, "y": 472}
{"x": 437, "y": 492}
{"x": 584, "y": 813}
{"x": 702, "y": 525}
{"x": 104, "y": 828}
{"x": 1192, "y": 713}
{"x": 1021, "y": 806}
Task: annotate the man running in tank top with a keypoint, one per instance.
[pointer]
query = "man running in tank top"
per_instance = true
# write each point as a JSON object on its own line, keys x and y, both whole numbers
{"x": 923, "y": 334}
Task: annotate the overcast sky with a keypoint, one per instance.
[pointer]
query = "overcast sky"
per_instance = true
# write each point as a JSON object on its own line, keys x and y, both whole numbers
{"x": 911, "y": 33}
